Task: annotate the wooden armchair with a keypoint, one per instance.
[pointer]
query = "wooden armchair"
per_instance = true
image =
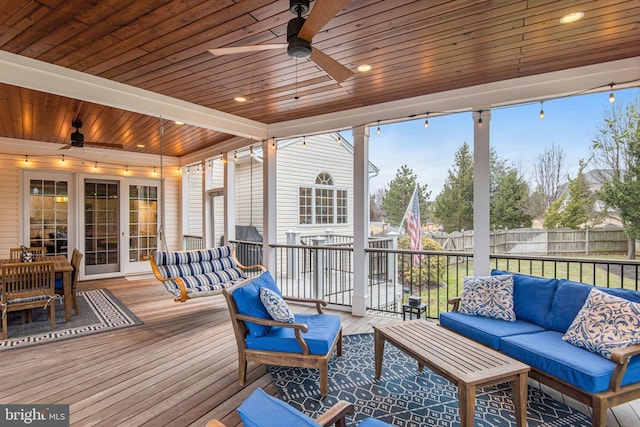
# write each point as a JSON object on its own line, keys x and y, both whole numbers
{"x": 38, "y": 252}
{"x": 262, "y": 410}
{"x": 307, "y": 342}
{"x": 76, "y": 257}
{"x": 27, "y": 285}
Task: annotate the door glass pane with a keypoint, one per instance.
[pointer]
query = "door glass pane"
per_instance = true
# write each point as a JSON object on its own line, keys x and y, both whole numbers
{"x": 101, "y": 212}
{"x": 143, "y": 222}
{"x": 49, "y": 207}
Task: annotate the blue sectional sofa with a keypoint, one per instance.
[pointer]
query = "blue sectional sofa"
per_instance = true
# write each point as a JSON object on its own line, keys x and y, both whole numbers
{"x": 545, "y": 309}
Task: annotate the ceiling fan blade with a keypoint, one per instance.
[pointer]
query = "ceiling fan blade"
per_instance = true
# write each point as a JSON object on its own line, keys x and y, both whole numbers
{"x": 323, "y": 11}
{"x": 246, "y": 49}
{"x": 336, "y": 70}
{"x": 105, "y": 145}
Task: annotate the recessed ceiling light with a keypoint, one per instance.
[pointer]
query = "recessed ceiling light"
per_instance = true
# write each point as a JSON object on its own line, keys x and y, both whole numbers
{"x": 178, "y": 123}
{"x": 364, "y": 68}
{"x": 240, "y": 99}
{"x": 140, "y": 145}
{"x": 571, "y": 17}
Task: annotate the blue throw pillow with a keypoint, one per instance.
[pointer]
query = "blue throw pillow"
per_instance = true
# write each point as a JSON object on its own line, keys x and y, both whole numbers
{"x": 488, "y": 296}
{"x": 248, "y": 302}
{"x": 276, "y": 306}
{"x": 604, "y": 324}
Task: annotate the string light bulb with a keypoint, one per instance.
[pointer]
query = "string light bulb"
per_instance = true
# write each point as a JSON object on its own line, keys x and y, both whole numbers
{"x": 26, "y": 159}
{"x": 480, "y": 118}
{"x": 378, "y": 130}
{"x": 612, "y": 97}
{"x": 62, "y": 159}
{"x": 541, "y": 111}
{"x": 273, "y": 144}
{"x": 188, "y": 170}
{"x": 235, "y": 156}
{"x": 339, "y": 137}
{"x": 95, "y": 166}
{"x": 222, "y": 159}
{"x": 154, "y": 170}
{"x": 126, "y": 168}
{"x": 304, "y": 142}
{"x": 251, "y": 151}
{"x": 210, "y": 164}
{"x": 426, "y": 121}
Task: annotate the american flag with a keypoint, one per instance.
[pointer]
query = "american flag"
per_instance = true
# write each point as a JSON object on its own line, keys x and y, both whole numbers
{"x": 413, "y": 226}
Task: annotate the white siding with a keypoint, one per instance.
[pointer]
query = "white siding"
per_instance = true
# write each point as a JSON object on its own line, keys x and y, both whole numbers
{"x": 194, "y": 202}
{"x": 298, "y": 167}
{"x": 9, "y": 214}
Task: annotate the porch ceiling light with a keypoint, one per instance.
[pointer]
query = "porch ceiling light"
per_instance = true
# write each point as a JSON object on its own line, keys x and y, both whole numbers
{"x": 571, "y": 17}
{"x": 364, "y": 68}
{"x": 240, "y": 99}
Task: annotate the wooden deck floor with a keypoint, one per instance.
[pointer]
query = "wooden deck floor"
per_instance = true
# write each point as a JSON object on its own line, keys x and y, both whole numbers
{"x": 178, "y": 369}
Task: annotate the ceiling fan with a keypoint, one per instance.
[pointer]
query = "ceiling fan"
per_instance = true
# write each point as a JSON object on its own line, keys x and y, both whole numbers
{"x": 300, "y": 31}
{"x": 77, "y": 139}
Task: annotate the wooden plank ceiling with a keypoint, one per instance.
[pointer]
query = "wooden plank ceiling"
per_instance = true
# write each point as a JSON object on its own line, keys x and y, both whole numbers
{"x": 415, "y": 48}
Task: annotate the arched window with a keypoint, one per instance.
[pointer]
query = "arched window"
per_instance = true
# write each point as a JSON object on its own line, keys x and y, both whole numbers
{"x": 323, "y": 203}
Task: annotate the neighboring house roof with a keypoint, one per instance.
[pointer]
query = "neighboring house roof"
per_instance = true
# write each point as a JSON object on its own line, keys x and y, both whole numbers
{"x": 333, "y": 137}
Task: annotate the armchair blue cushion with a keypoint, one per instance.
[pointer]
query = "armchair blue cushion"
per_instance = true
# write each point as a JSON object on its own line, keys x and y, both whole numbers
{"x": 323, "y": 329}
{"x": 262, "y": 410}
{"x": 247, "y": 300}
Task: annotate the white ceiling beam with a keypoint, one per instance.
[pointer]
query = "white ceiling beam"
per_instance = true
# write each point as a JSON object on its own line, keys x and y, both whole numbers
{"x": 26, "y": 72}
{"x": 546, "y": 86}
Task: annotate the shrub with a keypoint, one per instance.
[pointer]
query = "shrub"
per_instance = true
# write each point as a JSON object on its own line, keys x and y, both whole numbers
{"x": 429, "y": 273}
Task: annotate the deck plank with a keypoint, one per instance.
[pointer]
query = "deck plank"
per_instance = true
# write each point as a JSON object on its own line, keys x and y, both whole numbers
{"x": 177, "y": 369}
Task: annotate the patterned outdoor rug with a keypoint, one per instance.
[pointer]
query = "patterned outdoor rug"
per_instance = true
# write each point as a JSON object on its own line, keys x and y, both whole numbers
{"x": 100, "y": 311}
{"x": 405, "y": 397}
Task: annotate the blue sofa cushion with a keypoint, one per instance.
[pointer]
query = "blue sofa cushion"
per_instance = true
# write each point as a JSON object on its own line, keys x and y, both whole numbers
{"x": 484, "y": 329}
{"x": 372, "y": 422}
{"x": 247, "y": 299}
{"x": 488, "y": 296}
{"x": 604, "y": 324}
{"x": 571, "y": 296}
{"x": 532, "y": 297}
{"x": 323, "y": 329}
{"x": 262, "y": 410}
{"x": 546, "y": 351}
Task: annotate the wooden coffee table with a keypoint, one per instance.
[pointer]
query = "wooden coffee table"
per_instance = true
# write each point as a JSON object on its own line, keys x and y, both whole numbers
{"x": 464, "y": 362}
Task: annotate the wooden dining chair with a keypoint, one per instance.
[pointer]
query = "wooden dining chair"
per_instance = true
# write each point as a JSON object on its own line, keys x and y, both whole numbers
{"x": 27, "y": 285}
{"x": 38, "y": 252}
{"x": 76, "y": 257}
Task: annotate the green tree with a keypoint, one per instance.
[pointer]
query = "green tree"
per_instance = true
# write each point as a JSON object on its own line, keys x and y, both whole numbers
{"x": 553, "y": 214}
{"x": 396, "y": 199}
{"x": 453, "y": 207}
{"x": 617, "y": 152}
{"x": 509, "y": 202}
{"x": 579, "y": 210}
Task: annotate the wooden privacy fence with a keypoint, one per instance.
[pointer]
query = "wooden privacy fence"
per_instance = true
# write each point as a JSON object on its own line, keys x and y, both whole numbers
{"x": 556, "y": 241}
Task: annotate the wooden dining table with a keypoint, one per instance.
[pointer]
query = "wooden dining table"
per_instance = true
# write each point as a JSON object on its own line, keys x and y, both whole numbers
{"x": 62, "y": 266}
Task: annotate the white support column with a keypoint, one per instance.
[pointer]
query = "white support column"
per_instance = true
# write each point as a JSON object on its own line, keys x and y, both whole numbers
{"x": 481, "y": 175}
{"x": 207, "y": 238}
{"x": 360, "y": 220}
{"x": 269, "y": 203}
{"x": 229, "y": 201}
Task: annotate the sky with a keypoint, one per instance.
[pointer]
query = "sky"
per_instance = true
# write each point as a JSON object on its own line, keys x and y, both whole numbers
{"x": 517, "y": 133}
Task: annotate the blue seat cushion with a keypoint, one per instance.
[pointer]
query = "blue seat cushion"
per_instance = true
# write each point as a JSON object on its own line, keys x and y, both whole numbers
{"x": 485, "y": 330}
{"x": 547, "y": 352}
{"x": 262, "y": 410}
{"x": 372, "y": 422}
{"x": 532, "y": 297}
{"x": 247, "y": 299}
{"x": 571, "y": 296}
{"x": 59, "y": 284}
{"x": 323, "y": 329}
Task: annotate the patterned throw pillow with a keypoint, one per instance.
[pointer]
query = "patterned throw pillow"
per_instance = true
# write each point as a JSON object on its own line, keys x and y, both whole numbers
{"x": 488, "y": 296}
{"x": 276, "y": 306}
{"x": 605, "y": 323}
